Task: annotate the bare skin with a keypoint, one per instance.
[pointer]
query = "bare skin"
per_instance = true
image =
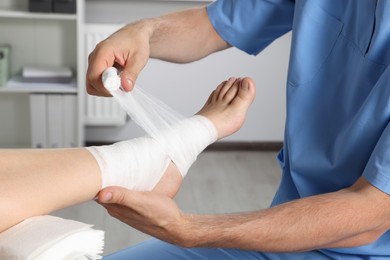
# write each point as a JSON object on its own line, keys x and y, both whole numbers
{"x": 133, "y": 45}
{"x": 36, "y": 182}
{"x": 228, "y": 104}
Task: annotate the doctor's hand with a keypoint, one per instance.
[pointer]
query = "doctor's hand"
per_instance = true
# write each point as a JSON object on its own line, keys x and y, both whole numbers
{"x": 149, "y": 212}
{"x": 128, "y": 48}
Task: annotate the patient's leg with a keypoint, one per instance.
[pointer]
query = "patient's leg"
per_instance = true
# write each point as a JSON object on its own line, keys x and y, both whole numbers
{"x": 36, "y": 182}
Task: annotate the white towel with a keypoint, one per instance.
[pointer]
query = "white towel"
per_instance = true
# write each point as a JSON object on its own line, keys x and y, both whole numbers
{"x": 48, "y": 238}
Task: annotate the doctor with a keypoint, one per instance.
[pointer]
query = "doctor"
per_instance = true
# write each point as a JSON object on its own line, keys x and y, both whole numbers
{"x": 333, "y": 200}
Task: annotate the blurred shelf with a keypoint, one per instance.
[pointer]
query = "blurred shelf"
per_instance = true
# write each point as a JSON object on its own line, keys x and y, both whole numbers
{"x": 65, "y": 90}
{"x": 15, "y": 85}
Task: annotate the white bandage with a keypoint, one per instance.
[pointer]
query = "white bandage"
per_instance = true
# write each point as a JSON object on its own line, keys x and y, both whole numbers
{"x": 139, "y": 163}
{"x": 184, "y": 141}
{"x": 136, "y": 164}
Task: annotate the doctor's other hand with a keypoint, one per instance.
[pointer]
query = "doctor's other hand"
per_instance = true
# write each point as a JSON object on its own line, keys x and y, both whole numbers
{"x": 128, "y": 48}
{"x": 149, "y": 212}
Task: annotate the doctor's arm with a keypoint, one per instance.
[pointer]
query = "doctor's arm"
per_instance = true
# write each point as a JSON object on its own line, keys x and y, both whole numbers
{"x": 351, "y": 217}
{"x": 179, "y": 37}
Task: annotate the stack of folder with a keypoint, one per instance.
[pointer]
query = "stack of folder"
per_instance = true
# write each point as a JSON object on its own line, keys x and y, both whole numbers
{"x": 53, "y": 117}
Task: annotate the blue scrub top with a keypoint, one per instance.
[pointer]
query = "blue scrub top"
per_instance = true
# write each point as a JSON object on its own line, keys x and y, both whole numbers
{"x": 338, "y": 91}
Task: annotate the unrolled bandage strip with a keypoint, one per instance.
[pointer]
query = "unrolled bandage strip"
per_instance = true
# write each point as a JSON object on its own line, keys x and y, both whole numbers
{"x": 139, "y": 163}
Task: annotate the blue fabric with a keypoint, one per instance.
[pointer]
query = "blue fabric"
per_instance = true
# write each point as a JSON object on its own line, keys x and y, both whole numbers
{"x": 338, "y": 92}
{"x": 251, "y": 25}
{"x": 158, "y": 250}
{"x": 337, "y": 125}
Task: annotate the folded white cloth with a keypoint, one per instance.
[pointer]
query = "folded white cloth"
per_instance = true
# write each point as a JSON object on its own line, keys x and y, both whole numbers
{"x": 49, "y": 237}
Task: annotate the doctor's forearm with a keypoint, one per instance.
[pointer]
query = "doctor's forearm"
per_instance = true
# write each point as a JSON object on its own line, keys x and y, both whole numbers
{"x": 183, "y": 36}
{"x": 339, "y": 219}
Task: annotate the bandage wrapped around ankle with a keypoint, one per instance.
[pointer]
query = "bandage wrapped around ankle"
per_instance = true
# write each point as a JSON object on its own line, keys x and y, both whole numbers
{"x": 139, "y": 163}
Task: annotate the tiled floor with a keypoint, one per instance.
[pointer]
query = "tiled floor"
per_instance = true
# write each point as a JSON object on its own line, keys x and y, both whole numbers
{"x": 218, "y": 182}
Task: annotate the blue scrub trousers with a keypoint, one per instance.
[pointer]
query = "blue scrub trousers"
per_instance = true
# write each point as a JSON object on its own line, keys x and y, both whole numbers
{"x": 155, "y": 249}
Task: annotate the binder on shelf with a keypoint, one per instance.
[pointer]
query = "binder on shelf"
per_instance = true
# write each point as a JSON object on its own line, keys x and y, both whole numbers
{"x": 41, "y": 6}
{"x": 55, "y": 120}
{"x": 38, "y": 120}
{"x": 64, "y": 6}
{"x": 70, "y": 120}
{"x": 56, "y": 6}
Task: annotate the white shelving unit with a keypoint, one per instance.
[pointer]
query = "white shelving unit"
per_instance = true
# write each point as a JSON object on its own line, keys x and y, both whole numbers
{"x": 44, "y": 39}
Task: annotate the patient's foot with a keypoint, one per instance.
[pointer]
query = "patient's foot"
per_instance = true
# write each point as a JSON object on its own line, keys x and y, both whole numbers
{"x": 228, "y": 104}
{"x": 226, "y": 108}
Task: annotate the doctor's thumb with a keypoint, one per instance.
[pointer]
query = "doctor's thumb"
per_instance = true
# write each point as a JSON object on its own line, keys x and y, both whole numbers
{"x": 133, "y": 67}
{"x": 127, "y": 82}
{"x": 112, "y": 195}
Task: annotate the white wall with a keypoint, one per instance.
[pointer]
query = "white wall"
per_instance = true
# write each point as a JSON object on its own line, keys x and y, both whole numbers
{"x": 186, "y": 87}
